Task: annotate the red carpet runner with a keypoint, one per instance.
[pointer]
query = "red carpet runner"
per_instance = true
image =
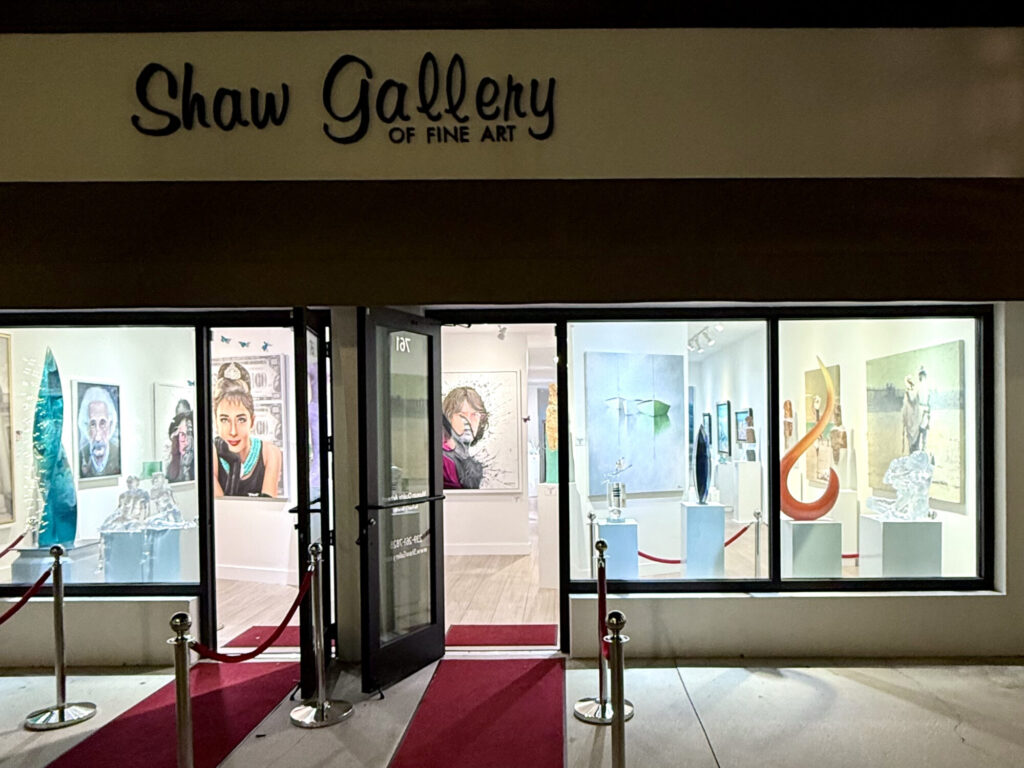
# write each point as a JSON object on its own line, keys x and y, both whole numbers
{"x": 228, "y": 701}
{"x": 253, "y": 636}
{"x": 502, "y": 634}
{"x": 488, "y": 714}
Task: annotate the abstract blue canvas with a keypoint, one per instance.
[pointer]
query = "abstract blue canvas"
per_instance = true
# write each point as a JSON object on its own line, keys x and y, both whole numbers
{"x": 636, "y": 409}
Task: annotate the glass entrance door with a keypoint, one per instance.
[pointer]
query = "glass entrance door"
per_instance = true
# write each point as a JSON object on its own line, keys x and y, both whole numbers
{"x": 314, "y": 518}
{"x": 401, "y": 542}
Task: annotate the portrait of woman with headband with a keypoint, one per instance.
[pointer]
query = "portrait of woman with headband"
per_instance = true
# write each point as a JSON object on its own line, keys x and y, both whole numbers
{"x": 244, "y": 464}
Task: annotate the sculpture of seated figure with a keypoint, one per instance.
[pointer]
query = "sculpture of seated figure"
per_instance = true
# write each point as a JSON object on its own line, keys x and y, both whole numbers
{"x": 166, "y": 512}
{"x": 910, "y": 476}
{"x": 132, "y": 509}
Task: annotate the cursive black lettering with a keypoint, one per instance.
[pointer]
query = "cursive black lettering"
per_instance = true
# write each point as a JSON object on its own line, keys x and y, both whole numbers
{"x": 142, "y": 83}
{"x": 547, "y": 109}
{"x": 484, "y": 100}
{"x": 455, "y": 87}
{"x": 270, "y": 114}
{"x": 361, "y": 110}
{"x": 192, "y": 104}
{"x": 430, "y": 84}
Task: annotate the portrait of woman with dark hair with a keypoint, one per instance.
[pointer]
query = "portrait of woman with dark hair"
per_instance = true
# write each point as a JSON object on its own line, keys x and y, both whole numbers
{"x": 244, "y": 464}
{"x": 181, "y": 456}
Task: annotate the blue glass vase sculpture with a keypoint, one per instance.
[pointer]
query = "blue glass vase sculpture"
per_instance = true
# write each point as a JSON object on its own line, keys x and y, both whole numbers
{"x": 59, "y": 518}
{"x": 702, "y": 465}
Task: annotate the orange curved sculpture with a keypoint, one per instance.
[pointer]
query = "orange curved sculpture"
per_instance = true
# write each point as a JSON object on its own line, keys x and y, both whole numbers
{"x": 811, "y": 510}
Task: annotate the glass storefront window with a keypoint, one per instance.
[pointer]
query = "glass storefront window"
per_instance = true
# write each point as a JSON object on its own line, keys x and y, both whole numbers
{"x": 641, "y": 396}
{"x": 97, "y": 445}
{"x": 880, "y": 424}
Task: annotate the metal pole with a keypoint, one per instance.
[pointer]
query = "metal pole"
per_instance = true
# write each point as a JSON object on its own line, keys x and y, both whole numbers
{"x": 757, "y": 543}
{"x": 616, "y": 623}
{"x": 598, "y": 710}
{"x": 592, "y": 517}
{"x": 181, "y": 623}
{"x": 321, "y": 711}
{"x": 63, "y": 714}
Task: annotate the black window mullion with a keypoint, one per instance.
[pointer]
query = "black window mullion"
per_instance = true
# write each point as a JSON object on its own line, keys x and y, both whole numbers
{"x": 773, "y": 515}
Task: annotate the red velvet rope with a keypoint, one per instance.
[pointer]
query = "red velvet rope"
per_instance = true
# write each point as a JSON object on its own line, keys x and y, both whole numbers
{"x": 12, "y": 545}
{"x": 670, "y": 561}
{"x": 851, "y": 556}
{"x": 26, "y": 597}
{"x": 602, "y": 609}
{"x": 234, "y": 658}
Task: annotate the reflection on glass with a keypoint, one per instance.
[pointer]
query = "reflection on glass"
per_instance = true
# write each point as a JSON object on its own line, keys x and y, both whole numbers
{"x": 404, "y": 559}
{"x": 879, "y": 416}
{"x": 313, "y": 413}
{"x": 641, "y": 395}
{"x": 404, "y": 406}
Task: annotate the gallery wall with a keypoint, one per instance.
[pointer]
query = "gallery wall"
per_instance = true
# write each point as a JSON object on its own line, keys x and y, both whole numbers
{"x": 488, "y": 522}
{"x": 849, "y": 344}
{"x": 133, "y": 358}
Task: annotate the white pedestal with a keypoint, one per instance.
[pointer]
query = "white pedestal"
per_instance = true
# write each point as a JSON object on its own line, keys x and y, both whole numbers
{"x": 812, "y": 549}
{"x": 846, "y": 512}
{"x": 547, "y": 534}
{"x": 739, "y": 486}
{"x": 895, "y": 548}
{"x": 623, "y": 562}
{"x": 702, "y": 528}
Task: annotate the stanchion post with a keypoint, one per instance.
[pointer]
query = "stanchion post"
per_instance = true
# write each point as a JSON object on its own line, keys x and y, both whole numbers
{"x": 598, "y": 710}
{"x": 181, "y": 623}
{"x": 757, "y": 543}
{"x": 616, "y": 623}
{"x": 63, "y": 714}
{"x": 321, "y": 711}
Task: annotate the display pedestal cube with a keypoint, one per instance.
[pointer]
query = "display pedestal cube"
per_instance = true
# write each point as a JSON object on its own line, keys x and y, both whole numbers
{"x": 893, "y": 548}
{"x": 702, "y": 540}
{"x": 547, "y": 530}
{"x": 623, "y": 562}
{"x": 812, "y": 549}
{"x": 79, "y": 565}
{"x": 149, "y": 555}
{"x": 739, "y": 487}
{"x": 845, "y": 512}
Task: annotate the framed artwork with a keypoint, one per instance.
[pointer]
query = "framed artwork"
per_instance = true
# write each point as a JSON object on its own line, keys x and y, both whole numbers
{"x": 817, "y": 461}
{"x": 97, "y": 429}
{"x": 724, "y": 428}
{"x": 265, "y": 379}
{"x": 482, "y": 431}
{"x": 6, "y": 434}
{"x": 636, "y": 410}
{"x": 174, "y": 430}
{"x": 742, "y": 426}
{"x": 916, "y": 403}
{"x": 706, "y": 419}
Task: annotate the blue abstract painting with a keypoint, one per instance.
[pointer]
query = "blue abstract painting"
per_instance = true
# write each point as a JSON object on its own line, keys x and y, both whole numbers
{"x": 636, "y": 409}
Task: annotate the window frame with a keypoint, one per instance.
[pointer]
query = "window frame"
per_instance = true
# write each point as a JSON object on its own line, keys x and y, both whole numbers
{"x": 982, "y": 314}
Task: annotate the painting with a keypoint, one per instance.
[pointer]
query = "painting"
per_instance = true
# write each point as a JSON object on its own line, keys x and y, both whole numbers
{"x": 706, "y": 419}
{"x": 6, "y": 434}
{"x": 724, "y": 428}
{"x": 817, "y": 460}
{"x": 174, "y": 430}
{"x": 482, "y": 431}
{"x": 249, "y": 408}
{"x": 744, "y": 431}
{"x": 635, "y": 410}
{"x": 98, "y": 437}
{"x": 915, "y": 402}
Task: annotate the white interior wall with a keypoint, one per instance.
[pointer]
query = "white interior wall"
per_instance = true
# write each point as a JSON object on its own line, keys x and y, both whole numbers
{"x": 255, "y": 539}
{"x": 133, "y": 358}
{"x": 488, "y": 523}
{"x": 849, "y": 344}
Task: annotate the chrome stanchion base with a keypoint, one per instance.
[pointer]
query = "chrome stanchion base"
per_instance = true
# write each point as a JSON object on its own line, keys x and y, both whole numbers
{"x": 59, "y": 717}
{"x": 591, "y": 710}
{"x": 309, "y": 715}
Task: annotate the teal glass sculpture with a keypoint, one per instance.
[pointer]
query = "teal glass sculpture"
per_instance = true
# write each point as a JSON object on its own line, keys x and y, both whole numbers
{"x": 59, "y": 518}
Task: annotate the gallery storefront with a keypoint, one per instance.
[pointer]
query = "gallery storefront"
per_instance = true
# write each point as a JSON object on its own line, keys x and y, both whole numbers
{"x": 724, "y": 210}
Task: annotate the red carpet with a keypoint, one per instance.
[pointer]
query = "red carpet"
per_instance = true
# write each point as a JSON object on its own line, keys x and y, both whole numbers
{"x": 228, "y": 701}
{"x": 502, "y": 634}
{"x": 253, "y": 636}
{"x": 488, "y": 714}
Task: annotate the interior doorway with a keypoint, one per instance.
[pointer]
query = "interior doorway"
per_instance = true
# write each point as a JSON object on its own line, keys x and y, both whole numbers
{"x": 499, "y": 405}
